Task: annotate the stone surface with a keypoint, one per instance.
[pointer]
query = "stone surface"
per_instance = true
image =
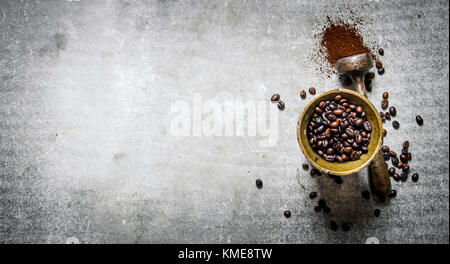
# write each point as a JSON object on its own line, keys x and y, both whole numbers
{"x": 88, "y": 155}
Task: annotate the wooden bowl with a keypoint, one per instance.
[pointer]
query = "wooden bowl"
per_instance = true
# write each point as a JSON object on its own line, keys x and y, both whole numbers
{"x": 348, "y": 167}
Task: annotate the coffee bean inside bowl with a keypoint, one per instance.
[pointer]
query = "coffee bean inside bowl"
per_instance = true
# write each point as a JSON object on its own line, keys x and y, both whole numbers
{"x": 339, "y": 130}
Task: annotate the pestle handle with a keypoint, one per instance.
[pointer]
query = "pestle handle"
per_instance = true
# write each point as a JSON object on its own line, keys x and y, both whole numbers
{"x": 378, "y": 170}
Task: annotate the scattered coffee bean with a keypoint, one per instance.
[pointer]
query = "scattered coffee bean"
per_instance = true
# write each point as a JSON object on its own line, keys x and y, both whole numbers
{"x": 303, "y": 94}
{"x": 381, "y": 71}
{"x": 366, "y": 194}
{"x": 384, "y": 104}
{"x": 392, "y": 111}
{"x": 392, "y": 193}
{"x": 287, "y": 213}
{"x": 387, "y": 116}
{"x": 312, "y": 195}
{"x": 404, "y": 158}
{"x": 317, "y": 208}
{"x": 385, "y": 148}
{"x": 392, "y": 153}
{"x": 333, "y": 226}
{"x": 400, "y": 165}
{"x": 305, "y": 166}
{"x": 345, "y": 227}
{"x": 415, "y": 177}
{"x": 322, "y": 203}
{"x": 396, "y": 177}
{"x": 394, "y": 160}
{"x": 280, "y": 105}
{"x": 327, "y": 209}
{"x": 376, "y": 212}
{"x": 259, "y": 183}
{"x": 275, "y": 98}
{"x": 338, "y": 180}
{"x": 419, "y": 120}
{"x": 391, "y": 171}
{"x": 404, "y": 176}
{"x": 385, "y": 95}
{"x": 405, "y": 144}
{"x": 384, "y": 132}
{"x": 312, "y": 90}
{"x": 381, "y": 52}
{"x": 378, "y": 64}
{"x": 405, "y": 168}
{"x": 404, "y": 151}
{"x": 396, "y": 124}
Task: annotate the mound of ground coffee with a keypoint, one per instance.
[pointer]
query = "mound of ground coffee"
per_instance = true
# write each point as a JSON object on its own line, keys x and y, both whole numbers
{"x": 339, "y": 40}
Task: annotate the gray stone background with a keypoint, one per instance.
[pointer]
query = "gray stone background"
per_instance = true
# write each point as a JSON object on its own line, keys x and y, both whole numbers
{"x": 86, "y": 89}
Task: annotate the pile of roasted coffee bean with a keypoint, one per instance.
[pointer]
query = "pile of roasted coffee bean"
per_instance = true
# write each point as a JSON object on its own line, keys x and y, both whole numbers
{"x": 339, "y": 130}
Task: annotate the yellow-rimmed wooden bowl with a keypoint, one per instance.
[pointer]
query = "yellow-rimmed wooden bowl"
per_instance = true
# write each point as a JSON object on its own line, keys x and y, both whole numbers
{"x": 348, "y": 167}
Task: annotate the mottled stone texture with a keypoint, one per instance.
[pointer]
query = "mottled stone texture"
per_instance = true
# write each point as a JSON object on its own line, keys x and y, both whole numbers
{"x": 85, "y": 148}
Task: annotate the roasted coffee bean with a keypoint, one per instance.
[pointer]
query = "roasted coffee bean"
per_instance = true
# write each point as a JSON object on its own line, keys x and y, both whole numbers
{"x": 385, "y": 148}
{"x": 384, "y": 132}
{"x": 381, "y": 52}
{"x": 405, "y": 144}
{"x": 281, "y": 105}
{"x": 259, "y": 183}
{"x": 384, "y": 104}
{"x": 312, "y": 195}
{"x": 322, "y": 203}
{"x": 385, "y": 95}
{"x": 419, "y": 120}
{"x": 381, "y": 71}
{"x": 386, "y": 155}
{"x": 387, "y": 116}
{"x": 312, "y": 90}
{"x": 364, "y": 149}
{"x": 415, "y": 177}
{"x": 303, "y": 94}
{"x": 395, "y": 160}
{"x": 366, "y": 194}
{"x": 338, "y": 180}
{"x": 317, "y": 208}
{"x": 376, "y": 212}
{"x": 378, "y": 64}
{"x": 330, "y": 158}
{"x": 391, "y": 171}
{"x": 327, "y": 209}
{"x": 334, "y": 226}
{"x": 405, "y": 168}
{"x": 404, "y": 158}
{"x": 337, "y": 98}
{"x": 404, "y": 151}
{"x": 396, "y": 177}
{"x": 404, "y": 176}
{"x": 392, "y": 193}
{"x": 392, "y": 111}
{"x": 305, "y": 166}
{"x": 396, "y": 124}
{"x": 400, "y": 165}
{"x": 358, "y": 122}
{"x": 275, "y": 98}
{"x": 287, "y": 213}
{"x": 345, "y": 227}
{"x": 392, "y": 153}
